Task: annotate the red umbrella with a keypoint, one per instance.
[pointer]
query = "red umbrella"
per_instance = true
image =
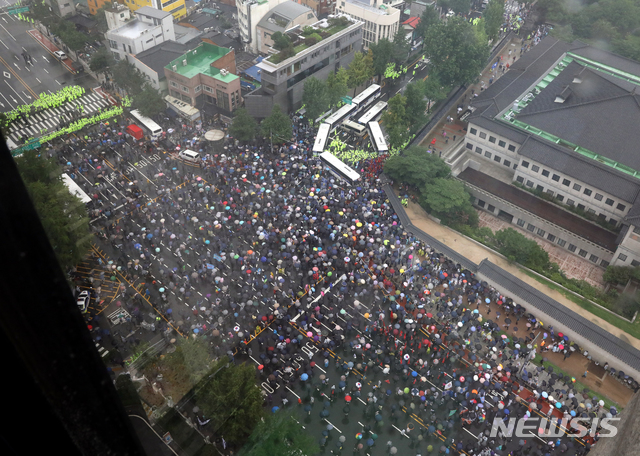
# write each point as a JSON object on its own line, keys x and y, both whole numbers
{"x": 347, "y": 398}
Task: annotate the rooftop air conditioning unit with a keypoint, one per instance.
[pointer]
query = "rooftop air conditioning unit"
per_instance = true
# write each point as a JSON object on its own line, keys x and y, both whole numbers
{"x": 184, "y": 62}
{"x": 174, "y": 67}
{"x": 195, "y": 51}
{"x": 224, "y": 72}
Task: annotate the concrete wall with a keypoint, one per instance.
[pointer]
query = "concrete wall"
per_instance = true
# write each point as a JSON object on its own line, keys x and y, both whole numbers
{"x": 259, "y": 104}
{"x": 628, "y": 250}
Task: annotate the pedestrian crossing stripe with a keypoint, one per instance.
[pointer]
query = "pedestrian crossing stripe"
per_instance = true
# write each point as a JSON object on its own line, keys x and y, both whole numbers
{"x": 103, "y": 351}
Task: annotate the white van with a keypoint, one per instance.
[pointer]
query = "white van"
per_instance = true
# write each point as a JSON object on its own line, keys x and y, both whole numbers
{"x": 190, "y": 156}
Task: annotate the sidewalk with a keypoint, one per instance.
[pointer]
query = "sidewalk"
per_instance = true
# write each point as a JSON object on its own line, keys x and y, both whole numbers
{"x": 476, "y": 253}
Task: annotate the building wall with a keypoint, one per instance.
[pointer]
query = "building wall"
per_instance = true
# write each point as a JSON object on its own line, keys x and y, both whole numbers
{"x": 321, "y": 7}
{"x": 628, "y": 252}
{"x": 194, "y": 90}
{"x": 95, "y": 5}
{"x": 263, "y": 35}
{"x": 153, "y": 78}
{"x": 176, "y": 7}
{"x": 227, "y": 62}
{"x": 376, "y": 25}
{"x": 250, "y": 12}
{"x": 259, "y": 104}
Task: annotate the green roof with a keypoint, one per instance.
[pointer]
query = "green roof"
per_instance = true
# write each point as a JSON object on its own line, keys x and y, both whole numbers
{"x": 199, "y": 61}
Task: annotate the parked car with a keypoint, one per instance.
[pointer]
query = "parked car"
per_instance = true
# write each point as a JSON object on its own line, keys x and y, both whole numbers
{"x": 60, "y": 55}
{"x": 83, "y": 300}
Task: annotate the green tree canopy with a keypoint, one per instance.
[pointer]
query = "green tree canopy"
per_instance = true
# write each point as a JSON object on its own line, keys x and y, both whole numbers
{"x": 360, "y": 70}
{"x": 127, "y": 76}
{"x": 416, "y": 167}
{"x": 232, "y": 399}
{"x": 101, "y": 19}
{"x": 493, "y": 17}
{"x": 101, "y": 60}
{"x": 381, "y": 55}
{"x": 243, "y": 127}
{"x": 315, "y": 98}
{"x": 458, "y": 6}
{"x": 277, "y": 126}
{"x": 63, "y": 215}
{"x": 395, "y": 121}
{"x": 337, "y": 86}
{"x": 449, "y": 200}
{"x": 281, "y": 40}
{"x": 517, "y": 247}
{"x": 280, "y": 434}
{"x": 416, "y": 105}
{"x": 149, "y": 101}
{"x": 428, "y": 19}
{"x": 191, "y": 358}
{"x": 69, "y": 35}
{"x": 401, "y": 46}
{"x": 455, "y": 51}
{"x": 433, "y": 89}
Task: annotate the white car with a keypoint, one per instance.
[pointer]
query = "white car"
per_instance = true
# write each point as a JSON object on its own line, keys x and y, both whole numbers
{"x": 83, "y": 301}
{"x": 60, "y": 55}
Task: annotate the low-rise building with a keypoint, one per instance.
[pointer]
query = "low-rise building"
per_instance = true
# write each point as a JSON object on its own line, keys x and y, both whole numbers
{"x": 250, "y": 13}
{"x": 322, "y": 8}
{"x": 151, "y": 62}
{"x": 205, "y": 75}
{"x": 381, "y": 20}
{"x": 176, "y": 8}
{"x": 283, "y": 77}
{"x": 283, "y": 17}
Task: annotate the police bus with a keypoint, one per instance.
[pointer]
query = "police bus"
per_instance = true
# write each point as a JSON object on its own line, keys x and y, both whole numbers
{"x": 338, "y": 168}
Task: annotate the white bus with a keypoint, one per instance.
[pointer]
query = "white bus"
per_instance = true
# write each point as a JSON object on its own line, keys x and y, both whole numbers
{"x": 321, "y": 138}
{"x": 374, "y": 113}
{"x": 368, "y": 96}
{"x": 341, "y": 115}
{"x": 354, "y": 128}
{"x": 153, "y": 128}
{"x": 377, "y": 138}
{"x": 75, "y": 189}
{"x": 338, "y": 168}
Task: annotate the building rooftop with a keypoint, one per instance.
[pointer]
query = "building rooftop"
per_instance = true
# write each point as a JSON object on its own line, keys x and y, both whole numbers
{"x": 199, "y": 60}
{"x": 365, "y": 4}
{"x": 279, "y": 17}
{"x": 152, "y": 12}
{"x": 161, "y": 55}
{"x": 412, "y": 22}
{"x": 132, "y": 29}
{"x": 186, "y": 34}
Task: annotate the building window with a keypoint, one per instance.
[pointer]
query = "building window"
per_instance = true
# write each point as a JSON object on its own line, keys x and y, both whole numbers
{"x": 545, "y": 173}
{"x": 185, "y": 89}
{"x": 577, "y": 187}
{"x": 521, "y": 222}
{"x": 512, "y": 148}
{"x": 561, "y": 242}
{"x": 496, "y": 158}
{"x": 487, "y": 154}
{"x": 524, "y": 164}
{"x": 535, "y": 168}
{"x": 550, "y": 192}
{"x": 491, "y": 208}
{"x": 478, "y": 149}
{"x": 530, "y": 227}
{"x": 587, "y": 192}
{"x": 483, "y": 135}
{"x": 541, "y": 232}
{"x": 636, "y": 230}
{"x": 469, "y": 146}
{"x": 609, "y": 202}
{"x": 208, "y": 89}
{"x": 481, "y": 203}
{"x": 540, "y": 188}
{"x": 570, "y": 202}
{"x": 555, "y": 178}
{"x": 492, "y": 139}
{"x": 566, "y": 182}
{"x": 582, "y": 253}
{"x": 507, "y": 163}
{"x": 551, "y": 237}
{"x": 613, "y": 221}
{"x": 529, "y": 183}
{"x": 197, "y": 88}
{"x": 560, "y": 197}
{"x": 572, "y": 248}
{"x": 520, "y": 179}
{"x": 473, "y": 131}
{"x": 621, "y": 207}
{"x": 593, "y": 258}
{"x": 622, "y": 257}
{"x": 174, "y": 84}
{"x": 635, "y": 263}
{"x": 598, "y": 197}
{"x": 604, "y": 263}
{"x": 113, "y": 44}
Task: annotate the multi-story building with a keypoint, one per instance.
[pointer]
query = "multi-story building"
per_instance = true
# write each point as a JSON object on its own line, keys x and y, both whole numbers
{"x": 62, "y": 8}
{"x": 150, "y": 27}
{"x": 562, "y": 125}
{"x": 151, "y": 62}
{"x": 283, "y": 78}
{"x": 176, "y": 8}
{"x": 281, "y": 18}
{"x": 250, "y": 13}
{"x": 205, "y": 74}
{"x": 381, "y": 20}
{"x": 322, "y": 8}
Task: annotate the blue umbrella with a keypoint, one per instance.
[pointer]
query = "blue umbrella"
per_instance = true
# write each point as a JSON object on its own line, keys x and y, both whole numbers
{"x": 275, "y": 409}
{"x": 370, "y": 442}
{"x": 304, "y": 377}
{"x": 414, "y": 374}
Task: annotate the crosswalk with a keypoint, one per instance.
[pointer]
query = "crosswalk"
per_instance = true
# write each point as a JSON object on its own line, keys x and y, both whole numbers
{"x": 50, "y": 119}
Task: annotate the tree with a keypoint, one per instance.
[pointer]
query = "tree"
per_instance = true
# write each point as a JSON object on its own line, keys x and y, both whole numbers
{"x": 232, "y": 399}
{"x": 127, "y": 76}
{"x": 459, "y": 6}
{"x": 455, "y": 51}
{"x": 337, "y": 86}
{"x": 433, "y": 89}
{"x": 395, "y": 121}
{"x": 243, "y": 127}
{"x": 149, "y": 101}
{"x": 281, "y": 40}
{"x": 628, "y": 47}
{"x": 69, "y": 35}
{"x": 416, "y": 167}
{"x": 191, "y": 358}
{"x": 449, "y": 200}
{"x": 101, "y": 61}
{"x": 279, "y": 434}
{"x": 517, "y": 247}
{"x": 381, "y": 55}
{"x": 416, "y": 105}
{"x": 315, "y": 98}
{"x": 63, "y": 215}
{"x": 428, "y": 19}
{"x": 101, "y": 19}
{"x": 360, "y": 70}
{"x": 493, "y": 17}
{"x": 277, "y": 126}
{"x": 401, "y": 46}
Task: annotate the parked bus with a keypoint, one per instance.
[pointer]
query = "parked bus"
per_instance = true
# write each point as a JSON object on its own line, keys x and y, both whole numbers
{"x": 342, "y": 114}
{"x": 338, "y": 168}
{"x": 373, "y": 114}
{"x": 377, "y": 138}
{"x": 321, "y": 138}
{"x": 153, "y": 128}
{"x": 353, "y": 127}
{"x": 75, "y": 189}
{"x": 368, "y": 96}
